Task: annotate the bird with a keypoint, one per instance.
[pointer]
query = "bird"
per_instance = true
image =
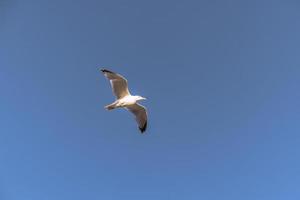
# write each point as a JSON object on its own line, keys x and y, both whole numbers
{"x": 125, "y": 100}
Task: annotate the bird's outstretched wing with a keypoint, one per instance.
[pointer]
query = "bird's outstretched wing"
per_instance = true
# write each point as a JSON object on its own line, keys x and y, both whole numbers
{"x": 118, "y": 83}
{"x": 140, "y": 114}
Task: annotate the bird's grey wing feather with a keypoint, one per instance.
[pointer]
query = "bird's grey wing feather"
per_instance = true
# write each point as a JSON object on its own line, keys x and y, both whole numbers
{"x": 140, "y": 114}
{"x": 118, "y": 83}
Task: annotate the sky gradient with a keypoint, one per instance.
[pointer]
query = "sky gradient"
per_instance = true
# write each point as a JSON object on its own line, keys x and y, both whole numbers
{"x": 221, "y": 80}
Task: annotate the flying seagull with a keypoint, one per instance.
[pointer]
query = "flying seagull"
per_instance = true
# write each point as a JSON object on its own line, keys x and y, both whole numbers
{"x": 125, "y": 100}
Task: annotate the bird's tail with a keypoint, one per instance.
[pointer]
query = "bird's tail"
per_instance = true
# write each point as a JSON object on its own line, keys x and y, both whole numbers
{"x": 110, "y": 106}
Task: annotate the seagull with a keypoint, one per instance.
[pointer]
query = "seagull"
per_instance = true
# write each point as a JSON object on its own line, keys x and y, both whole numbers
{"x": 125, "y": 100}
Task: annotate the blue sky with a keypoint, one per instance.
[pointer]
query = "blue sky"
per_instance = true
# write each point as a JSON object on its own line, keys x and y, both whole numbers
{"x": 222, "y": 82}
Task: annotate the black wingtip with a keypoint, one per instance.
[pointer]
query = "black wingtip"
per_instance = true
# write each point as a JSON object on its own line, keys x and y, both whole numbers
{"x": 105, "y": 70}
{"x": 143, "y": 129}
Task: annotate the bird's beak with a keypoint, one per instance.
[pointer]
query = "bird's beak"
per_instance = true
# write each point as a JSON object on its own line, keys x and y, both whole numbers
{"x": 144, "y": 98}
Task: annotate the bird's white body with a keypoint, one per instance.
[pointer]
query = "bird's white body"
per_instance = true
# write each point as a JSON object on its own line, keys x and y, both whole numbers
{"x": 128, "y": 100}
{"x": 125, "y": 102}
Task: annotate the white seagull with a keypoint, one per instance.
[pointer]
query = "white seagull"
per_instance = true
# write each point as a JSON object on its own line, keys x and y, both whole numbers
{"x": 125, "y": 100}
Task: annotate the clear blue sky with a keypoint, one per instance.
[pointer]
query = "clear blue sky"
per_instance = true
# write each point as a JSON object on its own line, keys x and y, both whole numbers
{"x": 222, "y": 82}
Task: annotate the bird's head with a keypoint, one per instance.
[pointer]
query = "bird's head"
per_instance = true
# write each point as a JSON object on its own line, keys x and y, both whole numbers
{"x": 139, "y": 98}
